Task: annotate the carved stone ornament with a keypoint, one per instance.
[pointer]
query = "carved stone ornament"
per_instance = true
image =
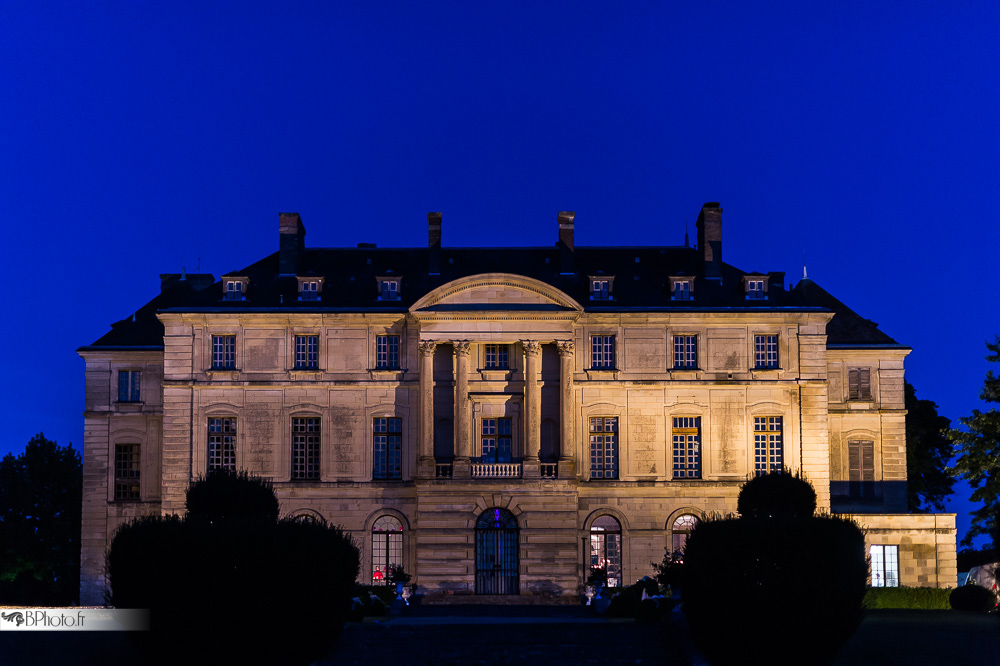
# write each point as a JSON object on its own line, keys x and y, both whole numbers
{"x": 531, "y": 347}
{"x": 427, "y": 347}
{"x": 461, "y": 347}
{"x": 566, "y": 347}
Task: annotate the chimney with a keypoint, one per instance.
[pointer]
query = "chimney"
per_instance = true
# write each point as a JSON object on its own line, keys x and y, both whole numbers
{"x": 710, "y": 239}
{"x": 565, "y": 243}
{"x": 292, "y": 236}
{"x": 434, "y": 243}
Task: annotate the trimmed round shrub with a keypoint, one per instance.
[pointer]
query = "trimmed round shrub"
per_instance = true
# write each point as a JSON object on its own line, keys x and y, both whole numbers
{"x": 776, "y": 495}
{"x": 227, "y": 495}
{"x": 972, "y": 598}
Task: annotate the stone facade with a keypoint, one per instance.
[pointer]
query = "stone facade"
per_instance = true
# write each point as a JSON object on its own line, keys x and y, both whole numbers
{"x": 546, "y": 392}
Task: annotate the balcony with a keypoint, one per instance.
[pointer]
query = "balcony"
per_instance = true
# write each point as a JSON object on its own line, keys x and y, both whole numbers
{"x": 496, "y": 470}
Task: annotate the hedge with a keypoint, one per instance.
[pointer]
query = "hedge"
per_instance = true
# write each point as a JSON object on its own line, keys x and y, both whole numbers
{"x": 927, "y": 598}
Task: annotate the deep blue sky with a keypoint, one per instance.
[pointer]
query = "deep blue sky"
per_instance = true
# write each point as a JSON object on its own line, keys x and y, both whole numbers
{"x": 137, "y": 138}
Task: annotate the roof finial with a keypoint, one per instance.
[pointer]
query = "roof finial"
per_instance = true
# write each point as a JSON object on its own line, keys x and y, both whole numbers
{"x": 687, "y": 243}
{"x": 805, "y": 274}
{"x": 184, "y": 272}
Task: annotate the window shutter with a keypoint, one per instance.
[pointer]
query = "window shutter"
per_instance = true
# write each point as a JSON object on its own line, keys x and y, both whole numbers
{"x": 852, "y": 384}
{"x": 854, "y": 461}
{"x": 864, "y": 384}
{"x": 867, "y": 460}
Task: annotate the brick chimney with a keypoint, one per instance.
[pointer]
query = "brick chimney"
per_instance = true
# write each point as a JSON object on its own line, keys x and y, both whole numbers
{"x": 434, "y": 243}
{"x": 565, "y": 243}
{"x": 710, "y": 238}
{"x": 292, "y": 236}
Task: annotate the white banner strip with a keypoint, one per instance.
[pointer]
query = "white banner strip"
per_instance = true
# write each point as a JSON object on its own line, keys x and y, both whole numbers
{"x": 73, "y": 619}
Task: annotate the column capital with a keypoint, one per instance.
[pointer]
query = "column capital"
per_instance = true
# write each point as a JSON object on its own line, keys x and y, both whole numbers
{"x": 531, "y": 347}
{"x": 427, "y": 347}
{"x": 461, "y": 347}
{"x": 566, "y": 347}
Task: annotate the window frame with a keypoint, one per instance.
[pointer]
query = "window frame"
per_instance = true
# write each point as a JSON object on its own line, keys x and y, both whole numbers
{"x": 601, "y": 537}
{"x": 224, "y": 352}
{"x": 685, "y": 294}
{"x": 501, "y": 357}
{"x": 768, "y": 441}
{"x": 885, "y": 567}
{"x": 133, "y": 385}
{"x": 387, "y": 454}
{"x": 603, "y": 453}
{"x": 859, "y": 384}
{"x": 128, "y": 472}
{"x": 234, "y": 289}
{"x": 686, "y": 452}
{"x": 766, "y": 351}
{"x": 606, "y": 292}
{"x": 306, "y": 448}
{"x": 497, "y": 431}
{"x": 686, "y": 355}
{"x": 306, "y": 354}
{"x": 222, "y": 443}
{"x": 391, "y": 543}
{"x": 310, "y": 295}
{"x": 387, "y": 294}
{"x": 384, "y": 357}
{"x": 602, "y": 352}
{"x": 755, "y": 288}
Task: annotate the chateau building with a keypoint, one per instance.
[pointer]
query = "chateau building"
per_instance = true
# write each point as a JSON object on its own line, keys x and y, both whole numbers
{"x": 500, "y": 420}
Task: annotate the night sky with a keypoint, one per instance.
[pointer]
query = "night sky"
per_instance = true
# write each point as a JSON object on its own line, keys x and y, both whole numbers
{"x": 140, "y": 138}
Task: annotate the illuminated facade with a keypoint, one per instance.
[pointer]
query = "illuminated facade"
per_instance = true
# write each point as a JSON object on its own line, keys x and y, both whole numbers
{"x": 499, "y": 420}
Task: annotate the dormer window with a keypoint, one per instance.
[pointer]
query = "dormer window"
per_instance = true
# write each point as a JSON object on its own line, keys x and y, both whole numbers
{"x": 681, "y": 288}
{"x": 388, "y": 289}
{"x": 234, "y": 289}
{"x": 310, "y": 288}
{"x": 600, "y": 288}
{"x": 756, "y": 288}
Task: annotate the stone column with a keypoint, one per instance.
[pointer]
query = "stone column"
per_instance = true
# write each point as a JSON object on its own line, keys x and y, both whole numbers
{"x": 567, "y": 407}
{"x": 463, "y": 447}
{"x": 532, "y": 408}
{"x": 425, "y": 446}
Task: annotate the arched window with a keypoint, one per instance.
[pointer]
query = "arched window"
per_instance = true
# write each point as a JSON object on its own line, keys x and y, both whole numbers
{"x": 679, "y": 535}
{"x": 606, "y": 548}
{"x": 387, "y": 548}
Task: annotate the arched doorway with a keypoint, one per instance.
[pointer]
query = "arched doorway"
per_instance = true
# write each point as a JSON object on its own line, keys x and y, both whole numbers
{"x": 606, "y": 548}
{"x": 497, "y": 553}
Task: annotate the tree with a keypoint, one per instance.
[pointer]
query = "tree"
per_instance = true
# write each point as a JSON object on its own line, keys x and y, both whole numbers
{"x": 979, "y": 459}
{"x": 40, "y": 503}
{"x": 928, "y": 451}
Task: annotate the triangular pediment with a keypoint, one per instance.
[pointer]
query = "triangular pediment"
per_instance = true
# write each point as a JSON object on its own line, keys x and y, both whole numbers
{"x": 496, "y": 291}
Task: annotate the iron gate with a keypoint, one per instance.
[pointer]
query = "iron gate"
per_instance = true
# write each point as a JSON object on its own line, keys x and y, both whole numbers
{"x": 496, "y": 553}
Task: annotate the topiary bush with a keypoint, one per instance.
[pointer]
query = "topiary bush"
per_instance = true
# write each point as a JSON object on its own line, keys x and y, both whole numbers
{"x": 972, "y": 598}
{"x": 776, "y": 495}
{"x": 224, "y": 495}
{"x": 926, "y": 598}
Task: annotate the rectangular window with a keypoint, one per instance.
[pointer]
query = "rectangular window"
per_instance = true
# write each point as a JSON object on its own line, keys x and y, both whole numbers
{"x": 305, "y": 449}
{"x": 859, "y": 384}
{"x": 222, "y": 444}
{"x": 861, "y": 469}
{"x": 687, "y": 447}
{"x": 497, "y": 440}
{"x": 306, "y": 352}
{"x": 755, "y": 290}
{"x": 765, "y": 349}
{"x": 128, "y": 385}
{"x": 600, "y": 290}
{"x": 604, "y": 448}
{"x": 387, "y": 352}
{"x": 387, "y": 448}
{"x": 126, "y": 471}
{"x": 685, "y": 351}
{"x": 767, "y": 444}
{"x": 309, "y": 290}
{"x": 388, "y": 290}
{"x": 497, "y": 357}
{"x": 682, "y": 290}
{"x": 602, "y": 351}
{"x": 234, "y": 290}
{"x": 223, "y": 352}
{"x": 885, "y": 566}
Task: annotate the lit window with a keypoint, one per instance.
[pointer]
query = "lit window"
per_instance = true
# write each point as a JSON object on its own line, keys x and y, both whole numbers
{"x": 861, "y": 468}
{"x": 222, "y": 444}
{"x": 602, "y": 351}
{"x": 127, "y": 471}
{"x": 497, "y": 357}
{"x": 604, "y": 448}
{"x": 306, "y": 352}
{"x": 765, "y": 351}
{"x": 388, "y": 290}
{"x": 387, "y": 548}
{"x": 885, "y": 566}
{"x": 387, "y": 352}
{"x": 685, "y": 352}
{"x": 755, "y": 290}
{"x": 859, "y": 384}
{"x": 606, "y": 548}
{"x": 497, "y": 440}
{"x": 600, "y": 289}
{"x": 234, "y": 290}
{"x": 305, "y": 449}
{"x": 687, "y": 447}
{"x": 387, "y": 448}
{"x": 679, "y": 533}
{"x": 128, "y": 385}
{"x": 308, "y": 290}
{"x": 680, "y": 290}
{"x": 767, "y": 444}
{"x": 223, "y": 352}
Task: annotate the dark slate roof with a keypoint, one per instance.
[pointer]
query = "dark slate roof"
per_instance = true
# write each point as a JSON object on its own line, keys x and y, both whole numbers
{"x": 847, "y": 327}
{"x": 350, "y": 285}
